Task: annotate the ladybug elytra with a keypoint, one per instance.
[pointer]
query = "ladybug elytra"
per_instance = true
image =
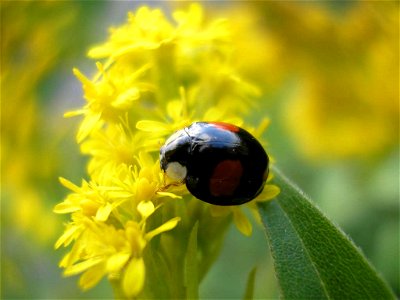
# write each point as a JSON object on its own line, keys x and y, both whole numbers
{"x": 220, "y": 163}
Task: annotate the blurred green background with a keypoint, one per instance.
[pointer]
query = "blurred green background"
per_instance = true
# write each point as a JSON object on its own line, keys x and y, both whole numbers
{"x": 329, "y": 73}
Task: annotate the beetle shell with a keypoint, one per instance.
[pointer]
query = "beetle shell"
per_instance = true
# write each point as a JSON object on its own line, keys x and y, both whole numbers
{"x": 223, "y": 164}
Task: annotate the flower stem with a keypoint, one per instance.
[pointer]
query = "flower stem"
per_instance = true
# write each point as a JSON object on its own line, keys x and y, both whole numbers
{"x": 117, "y": 288}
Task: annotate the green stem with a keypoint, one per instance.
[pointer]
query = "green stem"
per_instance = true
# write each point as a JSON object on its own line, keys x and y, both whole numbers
{"x": 117, "y": 288}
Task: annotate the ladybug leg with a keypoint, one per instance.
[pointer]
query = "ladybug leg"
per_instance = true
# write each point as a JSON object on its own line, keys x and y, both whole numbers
{"x": 166, "y": 185}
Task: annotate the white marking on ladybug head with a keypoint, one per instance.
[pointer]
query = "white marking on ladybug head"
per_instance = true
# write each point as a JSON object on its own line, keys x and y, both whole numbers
{"x": 176, "y": 171}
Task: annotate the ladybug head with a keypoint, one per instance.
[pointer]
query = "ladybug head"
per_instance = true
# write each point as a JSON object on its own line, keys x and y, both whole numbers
{"x": 174, "y": 155}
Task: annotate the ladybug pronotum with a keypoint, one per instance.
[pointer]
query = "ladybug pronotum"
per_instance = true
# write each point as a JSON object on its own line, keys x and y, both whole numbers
{"x": 220, "y": 163}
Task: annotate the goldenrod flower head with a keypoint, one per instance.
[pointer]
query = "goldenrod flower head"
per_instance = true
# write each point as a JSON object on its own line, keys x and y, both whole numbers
{"x": 156, "y": 77}
{"x": 31, "y": 44}
{"x": 346, "y": 105}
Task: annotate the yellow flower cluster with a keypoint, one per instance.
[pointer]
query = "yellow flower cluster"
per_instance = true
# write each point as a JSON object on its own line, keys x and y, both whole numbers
{"x": 346, "y": 102}
{"x": 156, "y": 76}
{"x": 30, "y": 48}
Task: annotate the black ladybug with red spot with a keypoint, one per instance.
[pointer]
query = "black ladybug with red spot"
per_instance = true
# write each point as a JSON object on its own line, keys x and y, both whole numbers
{"x": 220, "y": 163}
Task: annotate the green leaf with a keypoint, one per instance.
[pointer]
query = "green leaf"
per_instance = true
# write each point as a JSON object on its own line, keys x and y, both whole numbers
{"x": 191, "y": 262}
{"x": 313, "y": 258}
{"x": 248, "y": 295}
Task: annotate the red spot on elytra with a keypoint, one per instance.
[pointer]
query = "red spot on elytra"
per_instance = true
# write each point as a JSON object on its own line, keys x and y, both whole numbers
{"x": 226, "y": 178}
{"x": 225, "y": 126}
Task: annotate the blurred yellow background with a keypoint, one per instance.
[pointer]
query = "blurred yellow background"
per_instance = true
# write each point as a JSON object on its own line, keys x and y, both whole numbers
{"x": 329, "y": 76}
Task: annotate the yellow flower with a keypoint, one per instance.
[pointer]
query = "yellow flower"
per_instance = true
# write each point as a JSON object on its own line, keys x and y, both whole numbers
{"x": 113, "y": 248}
{"x": 102, "y": 249}
{"x": 158, "y": 77}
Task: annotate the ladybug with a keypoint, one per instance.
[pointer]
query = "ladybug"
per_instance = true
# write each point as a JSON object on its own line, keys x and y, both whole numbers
{"x": 220, "y": 163}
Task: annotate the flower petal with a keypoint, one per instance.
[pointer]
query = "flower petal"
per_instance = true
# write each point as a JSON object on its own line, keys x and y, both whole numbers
{"x": 82, "y": 266}
{"x": 270, "y": 192}
{"x": 133, "y": 280}
{"x": 91, "y": 277}
{"x": 65, "y": 207}
{"x": 103, "y": 212}
{"x": 88, "y": 124}
{"x": 145, "y": 208}
{"x": 69, "y": 185}
{"x": 125, "y": 99}
{"x": 167, "y": 194}
{"x": 117, "y": 261}
{"x": 152, "y": 126}
{"x": 241, "y": 222}
{"x": 67, "y": 237}
{"x": 75, "y": 113}
{"x": 82, "y": 78}
{"x": 164, "y": 227}
{"x": 261, "y": 127}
